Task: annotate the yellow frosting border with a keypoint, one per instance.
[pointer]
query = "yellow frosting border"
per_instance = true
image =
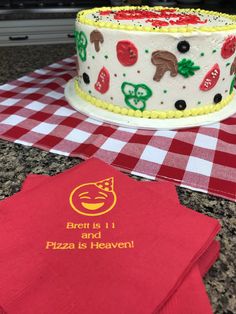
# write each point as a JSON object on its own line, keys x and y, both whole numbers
{"x": 152, "y": 114}
{"x": 82, "y": 18}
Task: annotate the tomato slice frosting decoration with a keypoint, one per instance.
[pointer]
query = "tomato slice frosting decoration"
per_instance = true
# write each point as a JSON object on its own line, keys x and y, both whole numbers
{"x": 229, "y": 47}
{"x": 103, "y": 81}
{"x": 211, "y": 78}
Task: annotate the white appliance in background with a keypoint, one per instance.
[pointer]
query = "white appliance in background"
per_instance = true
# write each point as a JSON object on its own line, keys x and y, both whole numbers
{"x": 41, "y": 31}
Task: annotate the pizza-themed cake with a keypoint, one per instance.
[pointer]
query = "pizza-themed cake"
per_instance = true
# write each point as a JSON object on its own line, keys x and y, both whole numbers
{"x": 156, "y": 62}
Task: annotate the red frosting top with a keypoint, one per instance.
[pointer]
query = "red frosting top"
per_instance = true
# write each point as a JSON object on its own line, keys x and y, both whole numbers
{"x": 164, "y": 17}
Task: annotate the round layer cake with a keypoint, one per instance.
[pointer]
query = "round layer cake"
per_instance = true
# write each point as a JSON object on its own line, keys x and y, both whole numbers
{"x": 156, "y": 62}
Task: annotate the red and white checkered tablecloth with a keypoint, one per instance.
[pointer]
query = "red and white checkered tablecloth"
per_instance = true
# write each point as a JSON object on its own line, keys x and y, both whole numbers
{"x": 33, "y": 112}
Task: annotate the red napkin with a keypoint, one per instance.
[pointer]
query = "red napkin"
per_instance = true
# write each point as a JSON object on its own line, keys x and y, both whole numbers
{"x": 205, "y": 261}
{"x": 192, "y": 288}
{"x": 153, "y": 246}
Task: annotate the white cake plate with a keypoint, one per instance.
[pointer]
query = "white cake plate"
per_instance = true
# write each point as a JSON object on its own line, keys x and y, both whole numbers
{"x": 143, "y": 123}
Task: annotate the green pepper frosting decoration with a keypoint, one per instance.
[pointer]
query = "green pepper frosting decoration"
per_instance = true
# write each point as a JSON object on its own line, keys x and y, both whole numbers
{"x": 232, "y": 85}
{"x": 81, "y": 44}
{"x": 187, "y": 68}
{"x": 136, "y": 95}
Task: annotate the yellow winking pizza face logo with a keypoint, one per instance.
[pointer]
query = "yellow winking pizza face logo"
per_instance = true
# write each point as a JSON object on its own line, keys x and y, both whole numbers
{"x": 94, "y": 198}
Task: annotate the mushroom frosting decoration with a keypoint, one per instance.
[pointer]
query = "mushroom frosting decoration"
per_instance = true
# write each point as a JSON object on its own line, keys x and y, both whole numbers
{"x": 96, "y": 38}
{"x": 167, "y": 61}
{"x": 164, "y": 61}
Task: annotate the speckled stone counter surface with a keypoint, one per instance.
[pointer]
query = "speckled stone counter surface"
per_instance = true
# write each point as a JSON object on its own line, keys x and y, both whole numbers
{"x": 16, "y": 161}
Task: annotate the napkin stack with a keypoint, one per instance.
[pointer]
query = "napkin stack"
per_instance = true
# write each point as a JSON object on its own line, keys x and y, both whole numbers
{"x": 92, "y": 240}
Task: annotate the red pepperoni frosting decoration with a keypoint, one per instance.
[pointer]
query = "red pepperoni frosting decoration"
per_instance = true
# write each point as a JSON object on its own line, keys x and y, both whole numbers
{"x": 103, "y": 81}
{"x": 211, "y": 78}
{"x": 229, "y": 47}
{"x": 127, "y": 53}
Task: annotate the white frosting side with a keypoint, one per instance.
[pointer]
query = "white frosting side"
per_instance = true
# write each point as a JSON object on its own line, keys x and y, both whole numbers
{"x": 205, "y": 52}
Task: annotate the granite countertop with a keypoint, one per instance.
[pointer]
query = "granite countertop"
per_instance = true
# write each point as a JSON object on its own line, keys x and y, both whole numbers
{"x": 16, "y": 161}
